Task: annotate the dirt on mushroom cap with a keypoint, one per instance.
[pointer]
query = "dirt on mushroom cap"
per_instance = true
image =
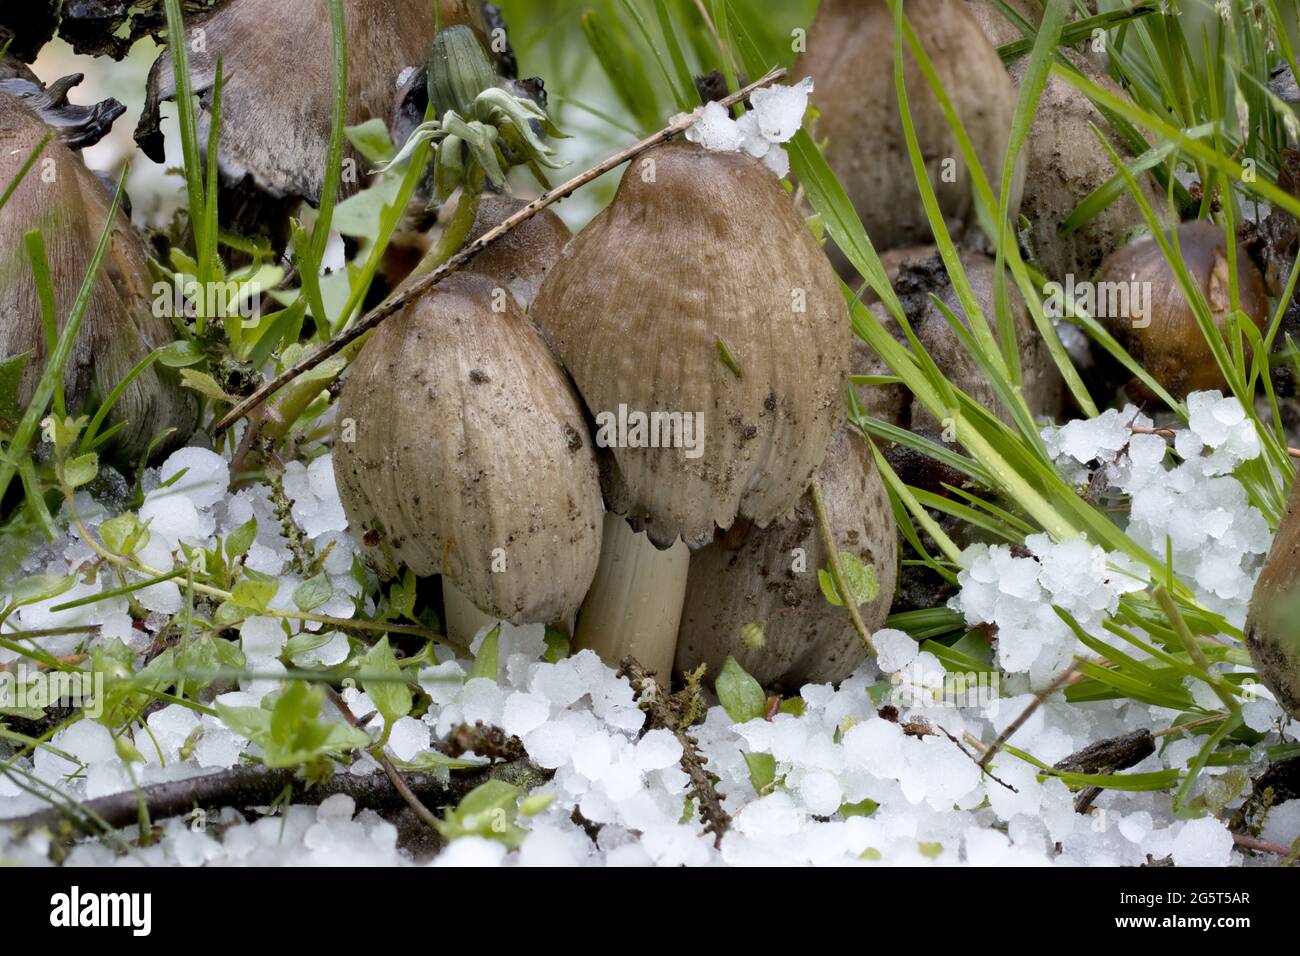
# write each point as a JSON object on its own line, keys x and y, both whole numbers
{"x": 747, "y": 577}
{"x": 461, "y": 448}
{"x": 702, "y": 252}
{"x": 120, "y": 326}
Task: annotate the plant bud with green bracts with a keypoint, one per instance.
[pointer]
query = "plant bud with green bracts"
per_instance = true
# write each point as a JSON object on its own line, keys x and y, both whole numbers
{"x": 459, "y": 70}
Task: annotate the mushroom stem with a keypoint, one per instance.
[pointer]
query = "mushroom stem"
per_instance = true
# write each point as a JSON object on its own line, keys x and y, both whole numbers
{"x": 634, "y": 606}
{"x": 833, "y": 559}
{"x": 464, "y": 619}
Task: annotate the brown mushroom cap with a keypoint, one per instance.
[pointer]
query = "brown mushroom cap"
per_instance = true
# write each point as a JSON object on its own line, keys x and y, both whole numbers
{"x": 521, "y": 258}
{"x": 919, "y": 277}
{"x": 1066, "y": 163}
{"x": 700, "y": 249}
{"x": 1171, "y": 347}
{"x": 747, "y": 576}
{"x": 470, "y": 449}
{"x": 277, "y": 87}
{"x": 1271, "y": 632}
{"x": 850, "y": 57}
{"x": 65, "y": 200}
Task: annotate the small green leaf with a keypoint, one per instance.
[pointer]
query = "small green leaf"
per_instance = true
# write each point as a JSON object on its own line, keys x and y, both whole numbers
{"x": 793, "y": 705}
{"x": 930, "y": 850}
{"x": 751, "y": 636}
{"x": 180, "y": 354}
{"x": 305, "y": 642}
{"x": 255, "y": 590}
{"x": 81, "y": 470}
{"x": 536, "y": 803}
{"x": 385, "y": 684}
{"x": 40, "y": 587}
{"x": 371, "y": 139}
{"x": 313, "y": 592}
{"x": 863, "y": 808}
{"x": 859, "y": 578}
{"x": 205, "y": 385}
{"x": 487, "y": 661}
{"x": 11, "y": 375}
{"x": 241, "y": 539}
{"x": 124, "y": 534}
{"x": 741, "y": 696}
{"x": 762, "y": 771}
{"x": 558, "y": 646}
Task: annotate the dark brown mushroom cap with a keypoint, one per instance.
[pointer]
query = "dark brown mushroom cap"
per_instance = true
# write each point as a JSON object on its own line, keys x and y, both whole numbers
{"x": 697, "y": 249}
{"x": 1171, "y": 347}
{"x": 747, "y": 576}
{"x": 521, "y": 258}
{"x": 65, "y": 200}
{"x": 277, "y": 89}
{"x": 27, "y": 25}
{"x": 458, "y": 434}
{"x": 1272, "y": 634}
{"x": 850, "y": 57}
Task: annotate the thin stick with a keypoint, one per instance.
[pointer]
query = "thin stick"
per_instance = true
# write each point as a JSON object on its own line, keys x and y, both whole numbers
{"x": 394, "y": 775}
{"x": 833, "y": 559}
{"x": 457, "y": 262}
{"x": 1019, "y": 722}
{"x": 1260, "y": 846}
{"x": 1173, "y": 433}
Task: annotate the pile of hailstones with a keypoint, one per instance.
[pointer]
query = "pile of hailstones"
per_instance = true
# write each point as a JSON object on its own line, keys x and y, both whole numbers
{"x": 849, "y": 785}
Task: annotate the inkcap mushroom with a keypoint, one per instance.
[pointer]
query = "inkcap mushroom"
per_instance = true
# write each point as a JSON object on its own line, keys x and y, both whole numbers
{"x": 756, "y": 594}
{"x": 462, "y": 450}
{"x": 1140, "y": 301}
{"x": 1271, "y": 632}
{"x": 706, "y": 331}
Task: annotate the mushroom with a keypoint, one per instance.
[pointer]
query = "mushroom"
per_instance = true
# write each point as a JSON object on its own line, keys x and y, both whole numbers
{"x": 769, "y": 578}
{"x": 1271, "y": 633}
{"x": 850, "y": 57}
{"x": 521, "y": 258}
{"x": 461, "y": 450}
{"x": 69, "y": 205}
{"x": 277, "y": 99}
{"x": 26, "y": 27}
{"x": 700, "y": 304}
{"x": 917, "y": 278}
{"x": 1140, "y": 301}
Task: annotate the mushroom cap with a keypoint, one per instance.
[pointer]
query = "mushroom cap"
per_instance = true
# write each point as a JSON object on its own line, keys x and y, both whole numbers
{"x": 26, "y": 27}
{"x": 1271, "y": 633}
{"x": 916, "y": 278}
{"x": 1171, "y": 347}
{"x": 1066, "y": 163}
{"x": 65, "y": 200}
{"x": 521, "y": 258}
{"x": 701, "y": 251}
{"x": 747, "y": 577}
{"x": 850, "y": 57}
{"x": 277, "y": 81}
{"x": 469, "y": 449}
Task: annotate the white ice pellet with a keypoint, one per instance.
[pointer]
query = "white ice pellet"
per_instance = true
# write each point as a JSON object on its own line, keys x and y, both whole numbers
{"x": 205, "y": 480}
{"x": 716, "y": 130}
{"x": 408, "y": 738}
{"x": 780, "y": 109}
{"x": 658, "y": 750}
{"x": 894, "y": 650}
{"x": 1202, "y": 842}
{"x": 524, "y": 713}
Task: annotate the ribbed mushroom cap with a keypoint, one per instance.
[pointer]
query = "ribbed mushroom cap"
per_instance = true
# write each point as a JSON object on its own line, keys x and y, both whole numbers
{"x": 1066, "y": 163}
{"x": 460, "y": 449}
{"x": 1171, "y": 346}
{"x": 65, "y": 200}
{"x": 850, "y": 57}
{"x": 1272, "y": 633}
{"x": 521, "y": 258}
{"x": 702, "y": 252}
{"x": 748, "y": 577}
{"x": 277, "y": 88}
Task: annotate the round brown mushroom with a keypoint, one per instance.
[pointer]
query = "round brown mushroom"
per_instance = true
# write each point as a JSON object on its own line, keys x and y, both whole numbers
{"x": 769, "y": 577}
{"x": 69, "y": 205}
{"x": 708, "y": 335}
{"x": 1140, "y": 301}
{"x": 462, "y": 450}
{"x": 850, "y": 57}
{"x": 1271, "y": 632}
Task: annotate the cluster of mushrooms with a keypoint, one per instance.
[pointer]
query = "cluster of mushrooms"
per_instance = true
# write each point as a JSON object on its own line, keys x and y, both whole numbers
{"x": 466, "y": 441}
